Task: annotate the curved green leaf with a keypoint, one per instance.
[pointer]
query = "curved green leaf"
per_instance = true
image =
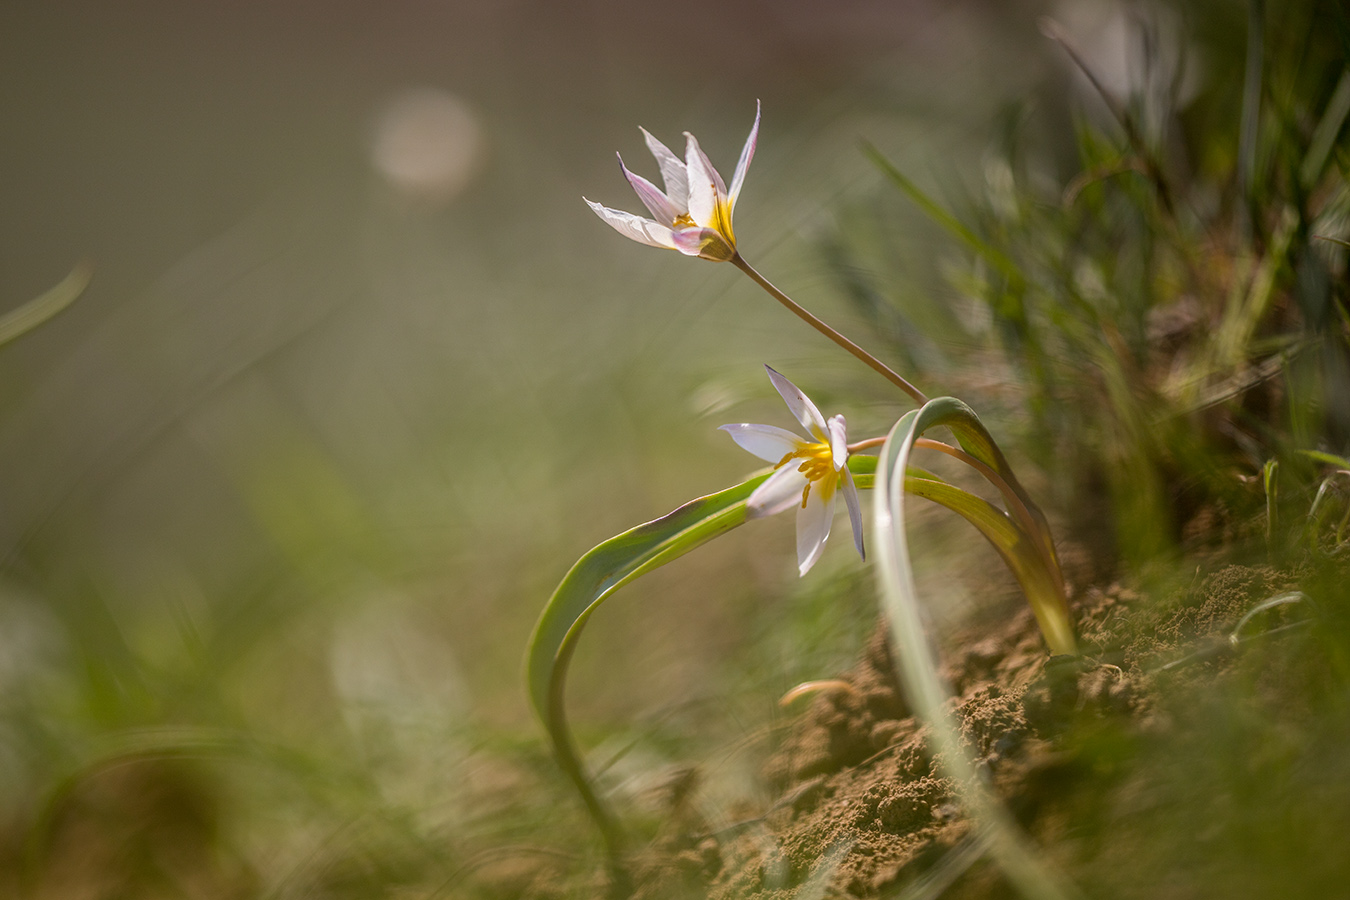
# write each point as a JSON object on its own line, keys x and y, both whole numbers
{"x": 1045, "y": 589}
{"x": 593, "y": 578}
{"x": 915, "y": 659}
{"x": 38, "y": 310}
{"x": 621, "y": 559}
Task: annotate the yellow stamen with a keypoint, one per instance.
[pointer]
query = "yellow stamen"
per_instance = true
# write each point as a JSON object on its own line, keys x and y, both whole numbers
{"x": 721, "y": 222}
{"x": 817, "y": 462}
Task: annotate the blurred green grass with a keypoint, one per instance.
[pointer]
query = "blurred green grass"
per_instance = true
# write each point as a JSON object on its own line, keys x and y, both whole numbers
{"x": 283, "y": 491}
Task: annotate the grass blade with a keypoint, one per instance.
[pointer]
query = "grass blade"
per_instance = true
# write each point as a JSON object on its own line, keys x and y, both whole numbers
{"x": 1329, "y": 459}
{"x": 950, "y": 223}
{"x": 1251, "y": 104}
{"x": 1270, "y": 481}
{"x": 30, "y": 315}
{"x": 1324, "y": 136}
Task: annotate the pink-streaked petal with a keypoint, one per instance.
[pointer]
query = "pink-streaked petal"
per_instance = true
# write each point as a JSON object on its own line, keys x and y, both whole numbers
{"x": 780, "y": 492}
{"x": 706, "y": 189}
{"x": 768, "y": 442}
{"x": 644, "y": 231}
{"x": 850, "y": 492}
{"x": 743, "y": 164}
{"x": 672, "y": 172}
{"x": 813, "y": 527}
{"x": 707, "y": 243}
{"x": 838, "y": 430}
{"x": 801, "y": 407}
{"x": 660, "y": 206}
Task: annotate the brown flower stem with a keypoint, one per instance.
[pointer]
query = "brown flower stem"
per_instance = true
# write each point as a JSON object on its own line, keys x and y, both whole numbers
{"x": 866, "y": 445}
{"x": 801, "y": 312}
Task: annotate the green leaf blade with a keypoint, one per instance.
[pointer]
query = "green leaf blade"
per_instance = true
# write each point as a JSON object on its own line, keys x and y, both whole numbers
{"x": 615, "y": 562}
{"x": 30, "y": 315}
{"x": 917, "y": 664}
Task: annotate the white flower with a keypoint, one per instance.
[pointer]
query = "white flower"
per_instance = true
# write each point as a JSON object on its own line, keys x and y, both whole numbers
{"x": 693, "y": 214}
{"x": 808, "y": 473}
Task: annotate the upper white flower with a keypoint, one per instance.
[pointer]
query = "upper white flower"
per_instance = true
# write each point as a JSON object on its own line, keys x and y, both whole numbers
{"x": 693, "y": 214}
{"x": 807, "y": 473}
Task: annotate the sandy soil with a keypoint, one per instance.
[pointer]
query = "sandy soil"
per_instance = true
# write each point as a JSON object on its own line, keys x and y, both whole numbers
{"x": 1071, "y": 745}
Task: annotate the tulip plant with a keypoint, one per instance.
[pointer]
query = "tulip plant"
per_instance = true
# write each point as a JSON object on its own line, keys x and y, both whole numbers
{"x": 693, "y": 215}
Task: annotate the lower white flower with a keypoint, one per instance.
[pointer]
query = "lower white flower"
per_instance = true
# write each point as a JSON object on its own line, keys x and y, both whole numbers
{"x": 808, "y": 473}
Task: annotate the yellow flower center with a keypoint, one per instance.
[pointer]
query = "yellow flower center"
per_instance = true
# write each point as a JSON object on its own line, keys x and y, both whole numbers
{"x": 721, "y": 222}
{"x": 817, "y": 463}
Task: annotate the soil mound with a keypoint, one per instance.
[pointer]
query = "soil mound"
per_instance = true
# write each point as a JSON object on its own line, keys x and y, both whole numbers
{"x": 1080, "y": 749}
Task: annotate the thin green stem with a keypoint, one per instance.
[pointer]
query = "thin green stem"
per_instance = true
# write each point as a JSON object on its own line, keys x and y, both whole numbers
{"x": 805, "y": 315}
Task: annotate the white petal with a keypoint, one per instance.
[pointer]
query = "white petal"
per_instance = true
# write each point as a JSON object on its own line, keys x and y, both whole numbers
{"x": 813, "y": 526}
{"x": 780, "y": 492}
{"x": 747, "y": 154}
{"x": 801, "y": 407}
{"x": 707, "y": 243}
{"x": 660, "y": 206}
{"x": 850, "y": 492}
{"x": 705, "y": 185}
{"x": 672, "y": 172}
{"x": 838, "y": 430}
{"x": 644, "y": 231}
{"x": 768, "y": 442}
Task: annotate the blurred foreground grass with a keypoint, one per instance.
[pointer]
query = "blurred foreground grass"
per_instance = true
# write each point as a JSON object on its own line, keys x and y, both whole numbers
{"x": 281, "y": 500}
